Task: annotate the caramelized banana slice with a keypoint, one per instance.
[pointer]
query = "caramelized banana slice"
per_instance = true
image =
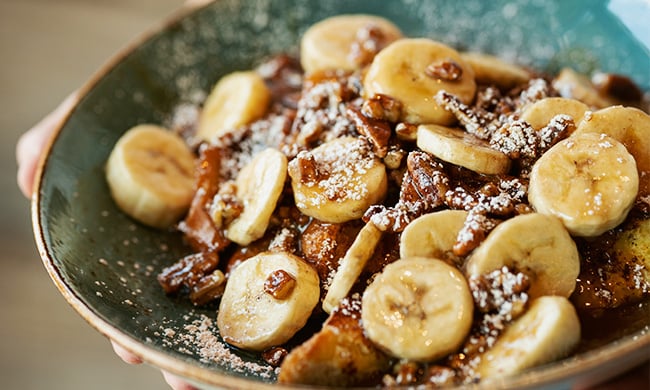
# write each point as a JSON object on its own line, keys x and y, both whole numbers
{"x": 267, "y": 299}
{"x": 259, "y": 186}
{"x": 540, "y": 113}
{"x": 337, "y": 181}
{"x": 150, "y": 175}
{"x": 535, "y": 244}
{"x": 462, "y": 148}
{"x": 237, "y": 99}
{"x": 413, "y": 71}
{"x": 351, "y": 266}
{"x": 491, "y": 70}
{"x": 433, "y": 235}
{"x": 547, "y": 331}
{"x": 589, "y": 181}
{"x": 418, "y": 309}
{"x": 345, "y": 42}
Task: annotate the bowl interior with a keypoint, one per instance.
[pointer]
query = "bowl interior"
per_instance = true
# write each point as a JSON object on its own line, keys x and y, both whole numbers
{"x": 106, "y": 264}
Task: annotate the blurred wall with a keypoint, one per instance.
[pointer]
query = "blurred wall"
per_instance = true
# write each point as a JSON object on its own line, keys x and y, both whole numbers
{"x": 47, "y": 49}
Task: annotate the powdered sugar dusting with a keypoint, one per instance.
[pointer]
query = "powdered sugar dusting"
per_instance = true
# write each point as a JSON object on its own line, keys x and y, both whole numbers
{"x": 200, "y": 335}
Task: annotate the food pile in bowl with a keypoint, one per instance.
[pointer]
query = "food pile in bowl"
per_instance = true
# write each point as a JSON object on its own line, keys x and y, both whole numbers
{"x": 386, "y": 210}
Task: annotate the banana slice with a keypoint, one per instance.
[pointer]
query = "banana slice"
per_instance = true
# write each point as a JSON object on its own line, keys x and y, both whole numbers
{"x": 342, "y": 42}
{"x": 433, "y": 235}
{"x": 150, "y": 173}
{"x": 589, "y": 181}
{"x": 413, "y": 71}
{"x": 462, "y": 148}
{"x": 418, "y": 309}
{"x": 351, "y": 266}
{"x": 540, "y": 113}
{"x": 259, "y": 186}
{"x": 237, "y": 99}
{"x": 535, "y": 244}
{"x": 337, "y": 181}
{"x": 547, "y": 331}
{"x": 491, "y": 70}
{"x": 267, "y": 299}
{"x": 573, "y": 85}
{"x": 631, "y": 127}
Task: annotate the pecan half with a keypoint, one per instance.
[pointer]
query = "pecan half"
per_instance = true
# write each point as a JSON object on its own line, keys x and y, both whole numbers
{"x": 447, "y": 70}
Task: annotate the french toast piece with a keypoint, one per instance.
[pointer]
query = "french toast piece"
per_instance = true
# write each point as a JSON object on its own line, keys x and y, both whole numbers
{"x": 338, "y": 355}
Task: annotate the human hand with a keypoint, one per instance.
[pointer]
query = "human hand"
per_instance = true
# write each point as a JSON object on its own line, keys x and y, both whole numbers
{"x": 29, "y": 149}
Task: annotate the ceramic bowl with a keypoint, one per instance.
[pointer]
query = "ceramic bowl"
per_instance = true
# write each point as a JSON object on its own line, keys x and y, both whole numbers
{"x": 105, "y": 264}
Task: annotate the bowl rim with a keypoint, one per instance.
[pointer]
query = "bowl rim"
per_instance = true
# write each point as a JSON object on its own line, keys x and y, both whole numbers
{"x": 630, "y": 350}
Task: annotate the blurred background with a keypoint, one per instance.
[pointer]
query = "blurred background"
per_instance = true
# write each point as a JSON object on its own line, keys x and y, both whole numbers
{"x": 49, "y": 48}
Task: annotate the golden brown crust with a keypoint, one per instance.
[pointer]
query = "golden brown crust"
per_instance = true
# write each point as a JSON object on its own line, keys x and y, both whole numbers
{"x": 338, "y": 355}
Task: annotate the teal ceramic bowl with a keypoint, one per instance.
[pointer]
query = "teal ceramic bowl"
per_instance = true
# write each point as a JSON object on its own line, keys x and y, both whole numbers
{"x": 106, "y": 264}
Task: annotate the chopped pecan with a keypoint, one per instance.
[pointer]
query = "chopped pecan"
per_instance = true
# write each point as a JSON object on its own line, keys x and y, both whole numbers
{"x": 517, "y": 140}
{"x": 537, "y": 89}
{"x": 208, "y": 288}
{"x": 199, "y": 228}
{"x": 376, "y": 130}
{"x": 490, "y": 99}
{"x": 406, "y": 131}
{"x": 305, "y": 168}
{"x": 447, "y": 70}
{"x": 394, "y": 219}
{"x": 275, "y": 356}
{"x": 476, "y": 227}
{"x": 187, "y": 271}
{"x": 558, "y": 128}
{"x": 423, "y": 189}
{"x": 225, "y": 205}
{"x": 477, "y": 122}
{"x": 382, "y": 107}
{"x": 279, "y": 284}
{"x": 429, "y": 178}
{"x": 499, "y": 290}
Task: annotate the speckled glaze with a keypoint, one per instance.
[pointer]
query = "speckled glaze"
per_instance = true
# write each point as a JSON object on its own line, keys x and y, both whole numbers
{"x": 106, "y": 264}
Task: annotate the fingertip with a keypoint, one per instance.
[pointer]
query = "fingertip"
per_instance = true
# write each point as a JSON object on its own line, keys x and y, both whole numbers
{"x": 125, "y": 355}
{"x": 176, "y": 383}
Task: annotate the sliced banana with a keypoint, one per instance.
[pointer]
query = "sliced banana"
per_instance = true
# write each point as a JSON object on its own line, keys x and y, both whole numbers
{"x": 418, "y": 309}
{"x": 236, "y": 100}
{"x": 589, "y": 181}
{"x": 413, "y": 71}
{"x": 250, "y": 315}
{"x": 433, "y": 235}
{"x": 462, "y": 148}
{"x": 491, "y": 70}
{"x": 351, "y": 266}
{"x": 337, "y": 181}
{"x": 259, "y": 187}
{"x": 540, "y": 113}
{"x": 150, "y": 173}
{"x": 535, "y": 244}
{"x": 573, "y": 85}
{"x": 330, "y": 44}
{"x": 631, "y": 127}
{"x": 547, "y": 331}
